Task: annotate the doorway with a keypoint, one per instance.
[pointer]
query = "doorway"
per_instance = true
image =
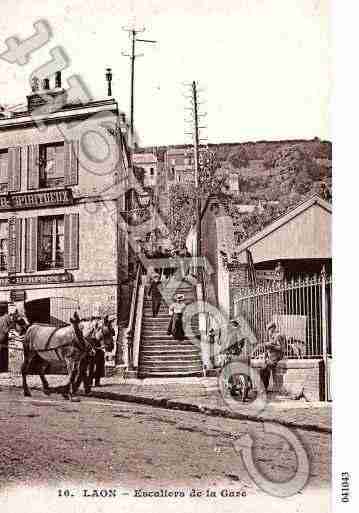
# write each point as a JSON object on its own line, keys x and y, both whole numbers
{"x": 38, "y": 311}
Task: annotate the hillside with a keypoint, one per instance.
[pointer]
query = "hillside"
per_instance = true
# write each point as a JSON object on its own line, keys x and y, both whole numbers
{"x": 272, "y": 175}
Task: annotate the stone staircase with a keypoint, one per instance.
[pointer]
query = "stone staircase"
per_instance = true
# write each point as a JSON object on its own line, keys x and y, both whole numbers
{"x": 160, "y": 354}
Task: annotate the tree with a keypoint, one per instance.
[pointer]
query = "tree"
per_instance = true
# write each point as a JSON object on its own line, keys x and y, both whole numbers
{"x": 239, "y": 158}
{"x": 182, "y": 197}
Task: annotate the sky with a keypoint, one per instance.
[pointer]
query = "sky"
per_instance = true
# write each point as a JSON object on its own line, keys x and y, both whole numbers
{"x": 263, "y": 67}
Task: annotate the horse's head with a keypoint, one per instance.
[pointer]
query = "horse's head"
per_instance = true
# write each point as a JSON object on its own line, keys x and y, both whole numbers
{"x": 18, "y": 321}
{"x": 99, "y": 331}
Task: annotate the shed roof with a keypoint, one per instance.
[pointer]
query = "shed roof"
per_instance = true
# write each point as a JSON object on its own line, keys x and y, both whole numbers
{"x": 288, "y": 236}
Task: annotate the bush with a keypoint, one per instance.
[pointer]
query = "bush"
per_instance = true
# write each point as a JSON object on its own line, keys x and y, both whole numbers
{"x": 239, "y": 158}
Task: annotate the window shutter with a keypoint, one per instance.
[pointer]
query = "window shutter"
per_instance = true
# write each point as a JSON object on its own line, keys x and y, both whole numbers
{"x": 18, "y": 239}
{"x": 31, "y": 245}
{"x": 33, "y": 166}
{"x": 71, "y": 150}
{"x": 71, "y": 243}
{"x": 59, "y": 162}
{"x": 14, "y": 169}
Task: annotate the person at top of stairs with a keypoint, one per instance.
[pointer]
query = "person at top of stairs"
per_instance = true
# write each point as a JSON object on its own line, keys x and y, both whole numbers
{"x": 155, "y": 294}
{"x": 175, "y": 327}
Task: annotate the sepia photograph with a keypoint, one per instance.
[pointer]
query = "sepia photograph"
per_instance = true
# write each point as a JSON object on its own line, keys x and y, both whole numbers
{"x": 166, "y": 256}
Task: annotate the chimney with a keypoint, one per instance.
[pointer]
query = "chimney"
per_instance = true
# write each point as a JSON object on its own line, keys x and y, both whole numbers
{"x": 44, "y": 98}
{"x": 45, "y": 84}
{"x": 58, "y": 79}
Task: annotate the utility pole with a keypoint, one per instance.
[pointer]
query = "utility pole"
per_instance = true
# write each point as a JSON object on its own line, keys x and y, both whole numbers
{"x": 197, "y": 140}
{"x": 133, "y": 34}
{"x": 196, "y": 168}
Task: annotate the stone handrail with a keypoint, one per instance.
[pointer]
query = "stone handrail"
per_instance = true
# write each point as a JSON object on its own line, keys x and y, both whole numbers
{"x": 129, "y": 332}
{"x": 138, "y": 326}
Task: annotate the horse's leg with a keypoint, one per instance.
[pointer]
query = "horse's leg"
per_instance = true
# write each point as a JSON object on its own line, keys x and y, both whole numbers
{"x": 25, "y": 367}
{"x": 85, "y": 366}
{"x": 87, "y": 376}
{"x": 75, "y": 371}
{"x": 81, "y": 374}
{"x": 45, "y": 384}
{"x": 72, "y": 369}
{"x": 66, "y": 388}
{"x": 91, "y": 369}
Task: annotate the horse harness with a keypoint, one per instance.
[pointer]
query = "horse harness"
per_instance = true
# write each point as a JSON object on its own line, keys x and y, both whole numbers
{"x": 80, "y": 343}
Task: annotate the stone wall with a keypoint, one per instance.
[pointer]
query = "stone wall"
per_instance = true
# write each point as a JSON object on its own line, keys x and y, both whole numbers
{"x": 297, "y": 378}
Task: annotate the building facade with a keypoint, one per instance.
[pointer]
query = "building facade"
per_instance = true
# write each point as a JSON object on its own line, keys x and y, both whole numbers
{"x": 61, "y": 192}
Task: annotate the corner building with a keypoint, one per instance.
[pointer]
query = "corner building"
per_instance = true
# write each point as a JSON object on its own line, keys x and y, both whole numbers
{"x": 61, "y": 192}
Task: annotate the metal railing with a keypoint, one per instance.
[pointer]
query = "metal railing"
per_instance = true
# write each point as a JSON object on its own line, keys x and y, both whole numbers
{"x": 300, "y": 308}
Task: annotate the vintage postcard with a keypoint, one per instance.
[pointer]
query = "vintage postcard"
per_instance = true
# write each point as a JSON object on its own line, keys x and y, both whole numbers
{"x": 166, "y": 257}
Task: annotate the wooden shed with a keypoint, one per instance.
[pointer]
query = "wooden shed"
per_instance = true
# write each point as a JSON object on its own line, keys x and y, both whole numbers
{"x": 300, "y": 240}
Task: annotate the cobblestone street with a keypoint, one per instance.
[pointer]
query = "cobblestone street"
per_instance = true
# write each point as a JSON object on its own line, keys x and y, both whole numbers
{"x": 102, "y": 443}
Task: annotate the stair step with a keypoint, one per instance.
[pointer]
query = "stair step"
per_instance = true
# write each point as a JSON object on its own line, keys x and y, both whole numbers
{"x": 169, "y": 357}
{"x": 161, "y": 349}
{"x": 168, "y": 344}
{"x": 171, "y": 364}
{"x": 159, "y": 336}
{"x": 153, "y": 321}
{"x": 170, "y": 374}
{"x": 147, "y": 313}
{"x": 171, "y": 368}
{"x": 163, "y": 337}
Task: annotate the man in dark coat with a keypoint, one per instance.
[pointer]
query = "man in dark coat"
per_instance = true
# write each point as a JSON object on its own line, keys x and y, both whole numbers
{"x": 274, "y": 353}
{"x": 98, "y": 369}
{"x": 155, "y": 294}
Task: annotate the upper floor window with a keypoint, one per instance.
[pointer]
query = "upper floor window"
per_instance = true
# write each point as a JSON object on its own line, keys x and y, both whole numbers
{"x": 52, "y": 169}
{"x": 50, "y": 243}
{"x": 152, "y": 171}
{"x": 4, "y": 159}
{"x": 4, "y": 230}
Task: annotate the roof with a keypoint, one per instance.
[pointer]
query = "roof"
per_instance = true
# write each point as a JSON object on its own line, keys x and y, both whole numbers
{"x": 245, "y": 209}
{"x": 144, "y": 158}
{"x": 285, "y": 218}
{"x": 71, "y": 110}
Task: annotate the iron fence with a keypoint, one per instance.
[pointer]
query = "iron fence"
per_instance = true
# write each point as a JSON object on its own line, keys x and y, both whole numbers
{"x": 300, "y": 308}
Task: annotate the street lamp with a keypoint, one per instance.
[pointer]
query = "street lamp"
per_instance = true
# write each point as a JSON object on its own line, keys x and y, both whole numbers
{"x": 109, "y": 80}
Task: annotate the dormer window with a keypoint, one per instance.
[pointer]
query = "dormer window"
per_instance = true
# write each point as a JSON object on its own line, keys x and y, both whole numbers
{"x": 51, "y": 165}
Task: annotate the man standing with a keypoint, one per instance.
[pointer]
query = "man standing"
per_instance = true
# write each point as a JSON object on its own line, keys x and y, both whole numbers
{"x": 155, "y": 294}
{"x": 274, "y": 353}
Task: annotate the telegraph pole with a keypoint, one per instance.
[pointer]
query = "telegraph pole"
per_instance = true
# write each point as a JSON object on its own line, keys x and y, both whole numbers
{"x": 133, "y": 34}
{"x": 196, "y": 168}
{"x": 197, "y": 140}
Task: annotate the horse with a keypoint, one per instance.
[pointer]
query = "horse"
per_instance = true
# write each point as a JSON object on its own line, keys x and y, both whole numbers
{"x": 44, "y": 345}
{"x": 99, "y": 333}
